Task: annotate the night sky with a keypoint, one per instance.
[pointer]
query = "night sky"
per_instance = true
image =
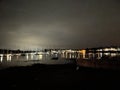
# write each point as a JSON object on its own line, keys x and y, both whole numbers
{"x": 59, "y": 23}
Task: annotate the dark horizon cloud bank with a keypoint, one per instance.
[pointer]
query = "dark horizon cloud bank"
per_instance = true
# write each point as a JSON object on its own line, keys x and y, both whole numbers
{"x": 59, "y": 23}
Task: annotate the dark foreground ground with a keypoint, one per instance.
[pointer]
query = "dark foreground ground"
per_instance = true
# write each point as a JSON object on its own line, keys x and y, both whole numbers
{"x": 59, "y": 77}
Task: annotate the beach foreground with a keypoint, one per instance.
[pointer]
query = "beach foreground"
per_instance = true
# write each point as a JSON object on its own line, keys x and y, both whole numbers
{"x": 66, "y": 76}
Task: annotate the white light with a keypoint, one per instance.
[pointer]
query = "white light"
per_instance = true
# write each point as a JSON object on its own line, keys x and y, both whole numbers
{"x": 106, "y": 49}
{"x": 27, "y": 57}
{"x": 106, "y": 53}
{"x": 110, "y": 49}
{"x": 8, "y": 57}
{"x": 99, "y": 50}
{"x": 40, "y": 57}
{"x": 113, "y": 54}
{"x": 113, "y": 49}
{"x": 118, "y": 49}
{"x": 1, "y": 57}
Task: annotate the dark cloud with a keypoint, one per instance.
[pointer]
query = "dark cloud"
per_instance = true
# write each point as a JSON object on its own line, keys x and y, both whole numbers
{"x": 59, "y": 23}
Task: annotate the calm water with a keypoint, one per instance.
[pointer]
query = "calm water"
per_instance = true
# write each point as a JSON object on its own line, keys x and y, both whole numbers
{"x": 10, "y": 60}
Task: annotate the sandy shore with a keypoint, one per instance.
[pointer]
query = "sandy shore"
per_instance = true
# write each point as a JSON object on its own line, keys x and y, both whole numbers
{"x": 40, "y": 76}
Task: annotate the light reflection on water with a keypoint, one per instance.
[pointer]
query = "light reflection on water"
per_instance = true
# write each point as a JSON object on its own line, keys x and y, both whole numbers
{"x": 29, "y": 59}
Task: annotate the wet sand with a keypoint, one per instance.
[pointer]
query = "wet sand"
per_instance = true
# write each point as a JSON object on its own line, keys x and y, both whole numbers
{"x": 60, "y": 77}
